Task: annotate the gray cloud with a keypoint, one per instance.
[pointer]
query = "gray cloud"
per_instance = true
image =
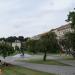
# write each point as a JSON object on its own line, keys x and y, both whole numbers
{"x": 31, "y": 17}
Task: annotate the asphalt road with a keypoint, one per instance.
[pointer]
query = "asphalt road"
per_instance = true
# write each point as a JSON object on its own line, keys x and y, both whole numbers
{"x": 59, "y": 70}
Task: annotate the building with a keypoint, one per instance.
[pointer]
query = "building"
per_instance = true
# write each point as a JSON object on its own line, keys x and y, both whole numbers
{"x": 2, "y": 41}
{"x": 37, "y": 37}
{"x": 13, "y": 44}
{"x": 60, "y": 31}
{"x": 16, "y": 43}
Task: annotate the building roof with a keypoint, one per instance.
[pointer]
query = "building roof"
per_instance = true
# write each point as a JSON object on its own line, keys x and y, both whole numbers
{"x": 63, "y": 27}
{"x": 58, "y": 29}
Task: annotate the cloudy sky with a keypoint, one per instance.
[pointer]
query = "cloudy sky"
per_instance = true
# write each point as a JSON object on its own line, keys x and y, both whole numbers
{"x": 32, "y": 17}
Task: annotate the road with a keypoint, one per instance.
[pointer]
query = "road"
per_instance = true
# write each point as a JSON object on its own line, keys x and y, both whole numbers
{"x": 59, "y": 70}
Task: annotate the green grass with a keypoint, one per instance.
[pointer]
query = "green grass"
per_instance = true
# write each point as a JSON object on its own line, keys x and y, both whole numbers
{"x": 16, "y": 70}
{"x": 68, "y": 58}
{"x": 48, "y": 62}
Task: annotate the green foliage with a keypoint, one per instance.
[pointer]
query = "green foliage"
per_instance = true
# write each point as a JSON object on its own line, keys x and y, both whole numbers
{"x": 49, "y": 44}
{"x": 17, "y": 49}
{"x": 46, "y": 43}
{"x": 48, "y": 62}
{"x": 21, "y": 38}
{"x": 6, "y": 50}
{"x": 68, "y": 42}
{"x": 16, "y": 70}
{"x": 22, "y": 50}
{"x": 71, "y": 18}
{"x": 32, "y": 45}
{"x": 71, "y": 39}
{"x": 11, "y": 39}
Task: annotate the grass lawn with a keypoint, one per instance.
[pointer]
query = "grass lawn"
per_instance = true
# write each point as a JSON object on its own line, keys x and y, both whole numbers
{"x": 48, "y": 62}
{"x": 16, "y": 70}
{"x": 69, "y": 57}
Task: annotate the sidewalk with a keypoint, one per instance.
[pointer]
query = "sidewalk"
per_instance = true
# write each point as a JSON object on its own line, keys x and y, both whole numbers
{"x": 59, "y": 70}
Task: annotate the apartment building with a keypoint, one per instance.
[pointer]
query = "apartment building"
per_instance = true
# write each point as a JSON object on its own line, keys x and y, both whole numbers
{"x": 60, "y": 31}
{"x": 37, "y": 37}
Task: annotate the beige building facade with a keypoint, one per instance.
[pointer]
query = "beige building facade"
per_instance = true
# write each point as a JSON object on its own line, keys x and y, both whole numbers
{"x": 60, "y": 31}
{"x": 16, "y": 43}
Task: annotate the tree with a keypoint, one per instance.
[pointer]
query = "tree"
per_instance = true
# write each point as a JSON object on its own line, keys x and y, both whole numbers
{"x": 17, "y": 49}
{"x": 71, "y": 42}
{"x": 21, "y": 38}
{"x": 6, "y": 50}
{"x": 49, "y": 44}
{"x": 23, "y": 48}
{"x": 32, "y": 45}
{"x": 68, "y": 43}
{"x": 71, "y": 36}
{"x": 26, "y": 39}
{"x": 71, "y": 18}
{"x": 2, "y": 39}
{"x": 11, "y": 39}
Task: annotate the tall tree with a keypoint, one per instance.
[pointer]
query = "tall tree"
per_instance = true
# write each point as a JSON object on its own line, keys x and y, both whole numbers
{"x": 21, "y": 38}
{"x": 71, "y": 19}
{"x": 11, "y": 39}
{"x": 49, "y": 43}
{"x": 71, "y": 36}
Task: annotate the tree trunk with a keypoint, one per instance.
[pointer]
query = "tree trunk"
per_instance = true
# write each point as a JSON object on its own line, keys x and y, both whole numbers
{"x": 45, "y": 54}
{"x": 23, "y": 54}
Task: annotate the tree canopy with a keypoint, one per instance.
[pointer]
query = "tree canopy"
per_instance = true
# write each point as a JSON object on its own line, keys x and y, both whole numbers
{"x": 49, "y": 43}
{"x": 71, "y": 19}
{"x": 6, "y": 50}
{"x": 32, "y": 45}
{"x": 69, "y": 38}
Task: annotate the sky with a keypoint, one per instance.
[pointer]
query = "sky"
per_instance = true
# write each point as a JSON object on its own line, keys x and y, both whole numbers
{"x": 31, "y": 17}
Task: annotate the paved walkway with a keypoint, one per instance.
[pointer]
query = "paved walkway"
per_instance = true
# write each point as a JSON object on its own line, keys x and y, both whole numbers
{"x": 69, "y": 62}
